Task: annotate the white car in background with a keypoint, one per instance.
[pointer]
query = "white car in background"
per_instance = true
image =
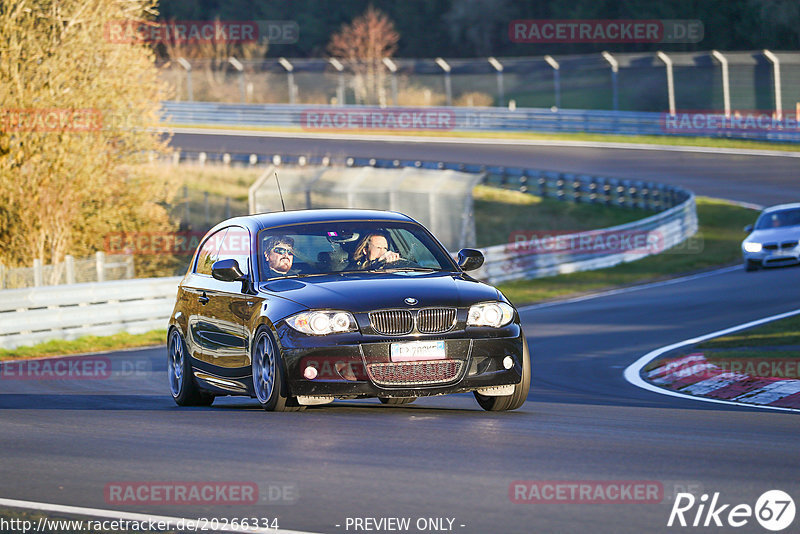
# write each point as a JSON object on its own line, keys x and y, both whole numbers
{"x": 773, "y": 240}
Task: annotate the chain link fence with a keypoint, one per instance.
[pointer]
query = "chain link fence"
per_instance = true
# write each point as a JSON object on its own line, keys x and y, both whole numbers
{"x": 756, "y": 80}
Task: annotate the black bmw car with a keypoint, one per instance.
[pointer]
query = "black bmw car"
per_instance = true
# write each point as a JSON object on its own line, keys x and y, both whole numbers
{"x": 300, "y": 308}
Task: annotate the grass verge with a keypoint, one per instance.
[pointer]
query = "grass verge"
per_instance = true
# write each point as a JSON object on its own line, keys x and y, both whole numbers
{"x": 85, "y": 344}
{"x": 717, "y": 243}
{"x": 777, "y": 333}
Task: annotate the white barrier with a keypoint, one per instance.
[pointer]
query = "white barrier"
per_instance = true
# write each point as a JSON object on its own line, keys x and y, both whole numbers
{"x": 34, "y": 315}
{"x": 515, "y": 261}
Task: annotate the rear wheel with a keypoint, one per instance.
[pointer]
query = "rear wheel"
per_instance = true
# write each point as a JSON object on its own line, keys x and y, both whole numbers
{"x": 516, "y": 399}
{"x": 397, "y": 400}
{"x": 269, "y": 384}
{"x": 181, "y": 382}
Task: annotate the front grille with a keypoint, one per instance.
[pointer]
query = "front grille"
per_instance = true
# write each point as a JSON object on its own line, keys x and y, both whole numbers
{"x": 789, "y": 244}
{"x": 415, "y": 373}
{"x": 436, "y": 320}
{"x": 770, "y": 246}
{"x": 392, "y": 322}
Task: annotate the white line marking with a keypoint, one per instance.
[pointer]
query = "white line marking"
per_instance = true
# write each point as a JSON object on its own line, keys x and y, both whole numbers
{"x": 631, "y": 288}
{"x": 113, "y": 514}
{"x": 488, "y": 141}
{"x": 632, "y": 371}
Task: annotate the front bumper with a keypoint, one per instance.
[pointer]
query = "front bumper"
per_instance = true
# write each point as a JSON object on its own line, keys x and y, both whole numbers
{"x": 353, "y": 365}
{"x": 768, "y": 258}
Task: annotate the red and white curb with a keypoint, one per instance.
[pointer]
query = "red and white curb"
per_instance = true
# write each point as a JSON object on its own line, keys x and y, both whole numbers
{"x": 693, "y": 377}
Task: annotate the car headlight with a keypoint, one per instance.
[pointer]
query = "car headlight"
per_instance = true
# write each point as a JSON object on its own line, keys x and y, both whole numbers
{"x": 751, "y": 246}
{"x": 322, "y": 322}
{"x": 494, "y": 314}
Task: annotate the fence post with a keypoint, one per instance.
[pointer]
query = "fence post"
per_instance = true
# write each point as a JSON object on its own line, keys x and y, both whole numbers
{"x": 69, "y": 263}
{"x": 129, "y": 267}
{"x": 100, "y": 259}
{"x": 2, "y": 276}
{"x": 38, "y": 279}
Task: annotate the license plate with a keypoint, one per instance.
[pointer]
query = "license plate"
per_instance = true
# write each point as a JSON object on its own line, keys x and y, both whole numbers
{"x": 417, "y": 350}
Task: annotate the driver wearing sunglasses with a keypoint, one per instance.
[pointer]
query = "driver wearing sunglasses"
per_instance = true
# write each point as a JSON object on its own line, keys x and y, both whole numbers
{"x": 280, "y": 255}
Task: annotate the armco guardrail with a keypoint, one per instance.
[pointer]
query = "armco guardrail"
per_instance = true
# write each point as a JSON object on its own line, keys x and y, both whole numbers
{"x": 534, "y": 259}
{"x": 354, "y": 118}
{"x": 39, "y": 314}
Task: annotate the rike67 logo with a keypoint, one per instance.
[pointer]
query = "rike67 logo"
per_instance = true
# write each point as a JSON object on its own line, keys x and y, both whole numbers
{"x": 774, "y": 510}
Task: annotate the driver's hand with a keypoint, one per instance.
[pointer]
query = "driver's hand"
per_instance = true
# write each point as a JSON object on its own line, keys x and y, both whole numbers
{"x": 389, "y": 257}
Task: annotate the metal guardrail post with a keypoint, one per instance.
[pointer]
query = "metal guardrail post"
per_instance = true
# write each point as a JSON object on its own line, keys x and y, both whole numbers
{"x": 670, "y": 81}
{"x": 448, "y": 88}
{"x": 726, "y": 82}
{"x": 188, "y": 67}
{"x": 776, "y": 82}
{"x": 614, "y": 79}
{"x": 501, "y": 97}
{"x": 392, "y": 66}
{"x": 239, "y": 67}
{"x": 290, "y": 77}
{"x": 556, "y": 78}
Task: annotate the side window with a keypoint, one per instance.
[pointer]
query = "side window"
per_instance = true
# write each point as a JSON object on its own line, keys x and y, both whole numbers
{"x": 208, "y": 252}
{"x": 235, "y": 245}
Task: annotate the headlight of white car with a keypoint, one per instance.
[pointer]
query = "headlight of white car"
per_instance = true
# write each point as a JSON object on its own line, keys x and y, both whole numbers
{"x": 322, "y": 322}
{"x": 494, "y": 314}
{"x": 751, "y": 246}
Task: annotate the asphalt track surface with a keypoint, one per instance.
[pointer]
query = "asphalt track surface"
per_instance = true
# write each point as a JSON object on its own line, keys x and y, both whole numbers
{"x": 64, "y": 441}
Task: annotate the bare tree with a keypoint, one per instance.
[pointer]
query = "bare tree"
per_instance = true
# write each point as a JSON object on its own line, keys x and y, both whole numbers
{"x": 363, "y": 44}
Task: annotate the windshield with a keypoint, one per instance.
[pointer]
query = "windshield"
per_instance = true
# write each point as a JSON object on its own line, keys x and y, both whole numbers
{"x": 779, "y": 219}
{"x": 338, "y": 247}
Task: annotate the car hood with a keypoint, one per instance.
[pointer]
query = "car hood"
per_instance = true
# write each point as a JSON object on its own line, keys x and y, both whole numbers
{"x": 774, "y": 234}
{"x": 359, "y": 292}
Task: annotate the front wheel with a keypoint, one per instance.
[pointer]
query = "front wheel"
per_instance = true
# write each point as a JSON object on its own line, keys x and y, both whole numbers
{"x": 269, "y": 384}
{"x": 516, "y": 399}
{"x": 750, "y": 265}
{"x": 181, "y": 383}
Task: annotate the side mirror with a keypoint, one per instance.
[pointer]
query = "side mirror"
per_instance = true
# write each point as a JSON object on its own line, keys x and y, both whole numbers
{"x": 748, "y": 228}
{"x": 469, "y": 259}
{"x": 228, "y": 271}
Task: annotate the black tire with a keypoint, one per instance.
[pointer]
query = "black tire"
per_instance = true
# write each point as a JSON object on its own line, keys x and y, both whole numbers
{"x": 516, "y": 399}
{"x": 397, "y": 400}
{"x": 269, "y": 383}
{"x": 181, "y": 380}
{"x": 750, "y": 265}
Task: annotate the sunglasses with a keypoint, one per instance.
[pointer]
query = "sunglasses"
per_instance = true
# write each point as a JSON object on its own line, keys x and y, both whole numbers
{"x": 282, "y": 250}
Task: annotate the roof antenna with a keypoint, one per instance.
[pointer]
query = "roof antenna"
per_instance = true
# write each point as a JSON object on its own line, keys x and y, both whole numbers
{"x": 279, "y": 191}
